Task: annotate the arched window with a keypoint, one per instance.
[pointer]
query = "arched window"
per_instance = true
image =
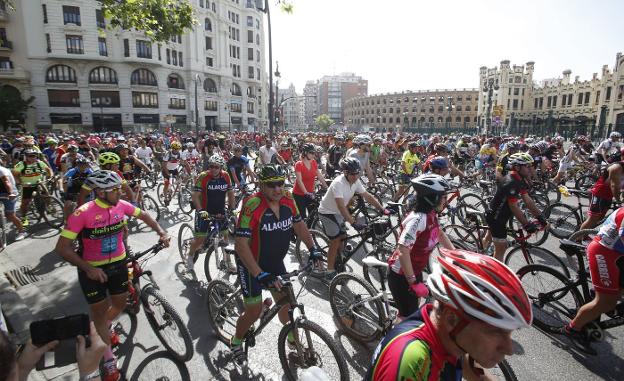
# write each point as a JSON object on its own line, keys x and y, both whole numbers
{"x": 210, "y": 86}
{"x": 103, "y": 74}
{"x": 467, "y": 119}
{"x": 175, "y": 82}
{"x": 468, "y": 108}
{"x": 143, "y": 77}
{"x": 207, "y": 24}
{"x": 236, "y": 90}
{"x": 440, "y": 108}
{"x": 431, "y": 119}
{"x": 458, "y": 119}
{"x": 61, "y": 73}
{"x": 251, "y": 92}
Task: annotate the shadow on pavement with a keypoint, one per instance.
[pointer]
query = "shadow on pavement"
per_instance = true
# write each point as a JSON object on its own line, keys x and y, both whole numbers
{"x": 160, "y": 367}
{"x": 42, "y": 231}
{"x": 49, "y": 262}
{"x": 359, "y": 357}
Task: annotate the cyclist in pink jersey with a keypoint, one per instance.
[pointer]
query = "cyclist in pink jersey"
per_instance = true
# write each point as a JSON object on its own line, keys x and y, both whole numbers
{"x": 100, "y": 260}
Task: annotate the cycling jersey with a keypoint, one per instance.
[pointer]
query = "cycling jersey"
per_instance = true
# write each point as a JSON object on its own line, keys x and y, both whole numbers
{"x": 237, "y": 164}
{"x": 101, "y": 228}
{"x": 602, "y": 188}
{"x": 502, "y": 163}
{"x": 30, "y": 174}
{"x": 127, "y": 167}
{"x": 411, "y": 160}
{"x": 172, "y": 160}
{"x": 412, "y": 351}
{"x": 486, "y": 153}
{"x": 509, "y": 191}
{"x": 419, "y": 232}
{"x": 611, "y": 232}
{"x": 213, "y": 190}
{"x": 75, "y": 178}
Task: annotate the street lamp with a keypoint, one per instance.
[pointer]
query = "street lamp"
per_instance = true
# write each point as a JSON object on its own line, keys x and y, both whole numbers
{"x": 490, "y": 88}
{"x": 229, "y": 108}
{"x": 450, "y": 106}
{"x": 268, "y": 13}
{"x": 197, "y": 79}
{"x": 277, "y": 76}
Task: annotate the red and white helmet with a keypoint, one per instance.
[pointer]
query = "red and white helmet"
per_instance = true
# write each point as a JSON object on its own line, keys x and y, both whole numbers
{"x": 481, "y": 287}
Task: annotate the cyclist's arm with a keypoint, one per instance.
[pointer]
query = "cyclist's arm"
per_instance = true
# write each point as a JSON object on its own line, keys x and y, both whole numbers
{"x": 195, "y": 197}
{"x": 372, "y": 200}
{"x": 445, "y": 241}
{"x": 614, "y": 181}
{"x": 517, "y": 212}
{"x": 149, "y": 221}
{"x": 141, "y": 164}
{"x": 343, "y": 210}
{"x": 241, "y": 245}
{"x": 65, "y": 249}
{"x": 233, "y": 175}
{"x": 302, "y": 232}
{"x": 127, "y": 190}
{"x": 455, "y": 171}
{"x": 231, "y": 200}
{"x": 321, "y": 178}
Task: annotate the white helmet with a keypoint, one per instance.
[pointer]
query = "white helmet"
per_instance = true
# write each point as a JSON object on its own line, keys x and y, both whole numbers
{"x": 615, "y": 135}
{"x": 216, "y": 159}
{"x": 542, "y": 146}
{"x": 103, "y": 179}
{"x": 190, "y": 145}
{"x": 362, "y": 139}
{"x": 520, "y": 158}
{"x": 430, "y": 184}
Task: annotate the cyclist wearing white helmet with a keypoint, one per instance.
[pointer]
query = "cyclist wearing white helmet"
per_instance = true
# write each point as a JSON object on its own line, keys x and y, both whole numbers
{"x": 478, "y": 303}
{"x": 361, "y": 152}
{"x": 607, "y": 147}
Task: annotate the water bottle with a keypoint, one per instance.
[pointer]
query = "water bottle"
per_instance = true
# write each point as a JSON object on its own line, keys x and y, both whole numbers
{"x": 266, "y": 306}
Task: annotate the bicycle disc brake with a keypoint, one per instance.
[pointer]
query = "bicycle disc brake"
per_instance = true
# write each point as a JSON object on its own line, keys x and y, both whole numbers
{"x": 594, "y": 331}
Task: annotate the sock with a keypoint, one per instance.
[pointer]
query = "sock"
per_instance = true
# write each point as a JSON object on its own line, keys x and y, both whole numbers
{"x": 108, "y": 355}
{"x": 235, "y": 341}
{"x": 570, "y": 327}
{"x": 291, "y": 337}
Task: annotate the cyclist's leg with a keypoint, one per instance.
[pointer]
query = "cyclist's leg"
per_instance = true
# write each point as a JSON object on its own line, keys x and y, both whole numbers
{"x": 598, "y": 208}
{"x": 252, "y": 301}
{"x": 9, "y": 213}
{"x": 333, "y": 228}
{"x": 200, "y": 233}
{"x": 302, "y": 205}
{"x": 498, "y": 232}
{"x": 406, "y": 301}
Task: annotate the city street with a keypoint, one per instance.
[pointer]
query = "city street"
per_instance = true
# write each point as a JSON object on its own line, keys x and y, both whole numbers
{"x": 142, "y": 357}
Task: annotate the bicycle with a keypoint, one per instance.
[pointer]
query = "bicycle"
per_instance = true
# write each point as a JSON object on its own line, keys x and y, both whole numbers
{"x": 46, "y": 207}
{"x": 180, "y": 186}
{"x": 557, "y": 304}
{"x": 161, "y": 315}
{"x": 219, "y": 260}
{"x": 225, "y": 304}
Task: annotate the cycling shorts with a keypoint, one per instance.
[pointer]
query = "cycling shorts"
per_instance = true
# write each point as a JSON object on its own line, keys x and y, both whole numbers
{"x": 606, "y": 267}
{"x": 406, "y": 301}
{"x": 564, "y": 166}
{"x": 172, "y": 173}
{"x": 27, "y": 192}
{"x": 117, "y": 283}
{"x": 252, "y": 290}
{"x": 9, "y": 205}
{"x": 333, "y": 225}
{"x": 497, "y": 228}
{"x": 598, "y": 206}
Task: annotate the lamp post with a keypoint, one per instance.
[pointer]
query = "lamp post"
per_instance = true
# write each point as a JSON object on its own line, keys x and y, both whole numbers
{"x": 490, "y": 88}
{"x": 197, "y": 79}
{"x": 450, "y": 106}
{"x": 229, "y": 108}
{"x": 277, "y": 76}
{"x": 271, "y": 120}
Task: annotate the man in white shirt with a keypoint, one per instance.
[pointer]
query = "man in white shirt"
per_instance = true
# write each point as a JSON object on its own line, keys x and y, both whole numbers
{"x": 268, "y": 152}
{"x": 8, "y": 196}
{"x": 333, "y": 211}
{"x": 144, "y": 153}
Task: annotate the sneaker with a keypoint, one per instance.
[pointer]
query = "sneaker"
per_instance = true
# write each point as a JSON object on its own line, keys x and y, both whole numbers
{"x": 111, "y": 373}
{"x": 291, "y": 345}
{"x": 579, "y": 339}
{"x": 20, "y": 235}
{"x": 25, "y": 222}
{"x": 238, "y": 354}
{"x": 114, "y": 338}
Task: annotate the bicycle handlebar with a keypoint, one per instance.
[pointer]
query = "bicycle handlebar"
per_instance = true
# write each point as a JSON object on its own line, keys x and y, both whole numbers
{"x": 152, "y": 250}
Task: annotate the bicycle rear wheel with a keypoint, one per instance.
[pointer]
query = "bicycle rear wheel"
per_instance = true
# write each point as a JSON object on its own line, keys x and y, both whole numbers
{"x": 356, "y": 307}
{"x": 563, "y": 220}
{"x": 149, "y": 205}
{"x": 225, "y": 306}
{"x": 52, "y": 211}
{"x": 220, "y": 264}
{"x": 167, "y": 324}
{"x": 185, "y": 238}
{"x": 317, "y": 349}
{"x": 374, "y": 275}
{"x": 517, "y": 258}
{"x": 160, "y": 193}
{"x": 502, "y": 371}
{"x": 184, "y": 200}
{"x": 320, "y": 240}
{"x": 463, "y": 238}
{"x": 554, "y": 298}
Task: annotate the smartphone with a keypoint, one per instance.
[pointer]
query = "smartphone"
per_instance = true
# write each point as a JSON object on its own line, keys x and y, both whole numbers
{"x": 44, "y": 331}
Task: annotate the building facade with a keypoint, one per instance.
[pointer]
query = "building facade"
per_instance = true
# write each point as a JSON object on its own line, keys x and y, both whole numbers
{"x": 310, "y": 93}
{"x": 333, "y": 92}
{"x": 84, "y": 75}
{"x": 510, "y": 100}
{"x": 288, "y": 103}
{"x": 418, "y": 111}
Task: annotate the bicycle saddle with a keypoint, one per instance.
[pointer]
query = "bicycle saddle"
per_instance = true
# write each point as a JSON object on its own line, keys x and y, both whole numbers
{"x": 374, "y": 262}
{"x": 571, "y": 247}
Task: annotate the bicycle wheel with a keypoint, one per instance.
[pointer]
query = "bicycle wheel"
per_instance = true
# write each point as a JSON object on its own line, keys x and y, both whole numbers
{"x": 184, "y": 200}
{"x": 584, "y": 183}
{"x": 356, "y": 307}
{"x": 225, "y": 305}
{"x": 583, "y": 236}
{"x": 149, "y": 205}
{"x": 320, "y": 240}
{"x": 317, "y": 349}
{"x": 3, "y": 241}
{"x": 464, "y": 204}
{"x": 52, "y": 211}
{"x": 160, "y": 193}
{"x": 185, "y": 238}
{"x": 463, "y": 237}
{"x": 518, "y": 258}
{"x": 150, "y": 180}
{"x": 220, "y": 264}
{"x": 553, "y": 297}
{"x": 563, "y": 220}
{"x": 382, "y": 190}
{"x": 167, "y": 324}
{"x": 374, "y": 275}
{"x": 502, "y": 371}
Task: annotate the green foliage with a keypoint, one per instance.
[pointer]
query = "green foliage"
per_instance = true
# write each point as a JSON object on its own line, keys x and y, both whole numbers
{"x": 9, "y": 5}
{"x": 286, "y": 6}
{"x": 158, "y": 19}
{"x": 324, "y": 121}
{"x": 12, "y": 106}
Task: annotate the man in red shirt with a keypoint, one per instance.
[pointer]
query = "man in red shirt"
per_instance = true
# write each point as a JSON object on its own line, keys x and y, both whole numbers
{"x": 306, "y": 173}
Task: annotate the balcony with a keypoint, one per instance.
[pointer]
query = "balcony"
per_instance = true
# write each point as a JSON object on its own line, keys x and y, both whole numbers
{"x": 4, "y": 15}
{"x": 6, "y": 45}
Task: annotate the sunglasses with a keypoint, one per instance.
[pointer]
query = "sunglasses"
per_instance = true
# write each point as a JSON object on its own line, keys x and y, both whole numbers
{"x": 31, "y": 155}
{"x": 353, "y": 173}
{"x": 115, "y": 189}
{"x": 274, "y": 184}
{"x": 214, "y": 167}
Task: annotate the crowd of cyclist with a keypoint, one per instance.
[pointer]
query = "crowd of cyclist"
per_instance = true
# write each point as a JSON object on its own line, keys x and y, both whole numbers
{"x": 478, "y": 301}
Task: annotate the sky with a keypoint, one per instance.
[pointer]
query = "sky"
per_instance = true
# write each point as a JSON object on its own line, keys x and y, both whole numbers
{"x": 400, "y": 45}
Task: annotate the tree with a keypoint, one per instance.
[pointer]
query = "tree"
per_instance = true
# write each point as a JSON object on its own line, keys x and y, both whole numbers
{"x": 12, "y": 106}
{"x": 324, "y": 121}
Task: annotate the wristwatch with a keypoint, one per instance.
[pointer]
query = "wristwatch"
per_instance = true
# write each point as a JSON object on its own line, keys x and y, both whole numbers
{"x": 90, "y": 376}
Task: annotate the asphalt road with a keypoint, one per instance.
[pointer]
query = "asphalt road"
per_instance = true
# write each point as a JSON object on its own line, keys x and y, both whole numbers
{"x": 142, "y": 357}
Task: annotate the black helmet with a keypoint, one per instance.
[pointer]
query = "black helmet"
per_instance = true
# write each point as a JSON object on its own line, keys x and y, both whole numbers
{"x": 440, "y": 147}
{"x": 81, "y": 160}
{"x": 350, "y": 165}
{"x": 308, "y": 148}
{"x": 412, "y": 144}
{"x": 271, "y": 172}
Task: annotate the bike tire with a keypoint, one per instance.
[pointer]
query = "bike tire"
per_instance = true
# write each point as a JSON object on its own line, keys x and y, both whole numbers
{"x": 373, "y": 276}
{"x": 506, "y": 371}
{"x": 3, "y": 230}
{"x": 223, "y": 314}
{"x": 304, "y": 330}
{"x": 563, "y": 220}
{"x": 149, "y": 205}
{"x": 465, "y": 202}
{"x": 550, "y": 315}
{"x": 150, "y": 180}
{"x": 585, "y": 182}
{"x": 216, "y": 265}
{"x": 464, "y": 236}
{"x": 321, "y": 241}
{"x": 182, "y": 352}
{"x": 515, "y": 259}
{"x": 160, "y": 194}
{"x": 342, "y": 298}
{"x": 52, "y": 212}
{"x": 184, "y": 200}
{"x": 185, "y": 237}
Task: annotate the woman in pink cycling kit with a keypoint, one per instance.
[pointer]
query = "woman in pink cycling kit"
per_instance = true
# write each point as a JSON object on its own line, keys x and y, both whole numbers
{"x": 419, "y": 235}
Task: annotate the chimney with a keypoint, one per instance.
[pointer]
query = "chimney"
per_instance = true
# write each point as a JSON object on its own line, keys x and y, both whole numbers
{"x": 566, "y": 77}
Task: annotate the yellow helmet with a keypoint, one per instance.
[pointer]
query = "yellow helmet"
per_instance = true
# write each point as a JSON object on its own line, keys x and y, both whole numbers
{"x": 108, "y": 158}
{"x": 176, "y": 145}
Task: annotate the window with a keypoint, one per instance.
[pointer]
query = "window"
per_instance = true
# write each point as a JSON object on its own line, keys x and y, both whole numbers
{"x": 608, "y": 94}
{"x": 258, "y": 73}
{"x": 208, "y": 43}
{"x": 177, "y": 104}
{"x": 159, "y": 56}
{"x": 250, "y": 107}
{"x": 570, "y": 100}
{"x": 143, "y": 77}
{"x": 175, "y": 82}
{"x": 71, "y": 15}
{"x": 102, "y": 46}
{"x": 257, "y": 39}
{"x": 63, "y": 98}
{"x": 99, "y": 19}
{"x": 257, "y": 56}
{"x": 250, "y": 53}
{"x": 168, "y": 54}
{"x": 144, "y": 100}
{"x": 144, "y": 49}
{"x": 554, "y": 103}
{"x": 45, "y": 13}
{"x": 468, "y": 108}
{"x": 597, "y": 97}
{"x": 580, "y": 99}
{"x": 180, "y": 60}
{"x": 563, "y": 101}
{"x": 250, "y": 37}
{"x": 214, "y": 7}
{"x": 104, "y": 75}
{"x": 516, "y": 91}
{"x": 210, "y": 105}
{"x": 126, "y": 48}
{"x": 201, "y": 3}
{"x": 48, "y": 43}
{"x": 257, "y": 24}
{"x": 587, "y": 98}
{"x": 549, "y": 102}
{"x": 174, "y": 57}
{"x": 236, "y": 90}
{"x": 250, "y": 72}
{"x": 105, "y": 98}
{"x": 74, "y": 44}
{"x": 207, "y": 24}
{"x": 236, "y": 107}
{"x": 250, "y": 4}
{"x": 210, "y": 86}
{"x": 209, "y": 62}
{"x": 515, "y": 104}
